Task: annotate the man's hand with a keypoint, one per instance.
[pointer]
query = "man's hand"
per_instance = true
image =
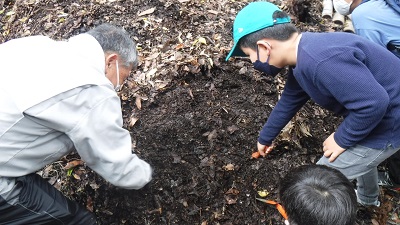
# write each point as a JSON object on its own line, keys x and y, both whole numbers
{"x": 331, "y": 149}
{"x": 263, "y": 149}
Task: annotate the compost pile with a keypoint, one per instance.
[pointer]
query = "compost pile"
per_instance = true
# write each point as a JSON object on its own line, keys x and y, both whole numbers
{"x": 193, "y": 116}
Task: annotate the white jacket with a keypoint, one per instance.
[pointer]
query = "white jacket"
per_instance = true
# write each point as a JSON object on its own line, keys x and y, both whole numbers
{"x": 54, "y": 96}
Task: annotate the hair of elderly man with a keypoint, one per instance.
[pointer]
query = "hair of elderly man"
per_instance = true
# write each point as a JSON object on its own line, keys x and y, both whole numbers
{"x": 317, "y": 194}
{"x": 280, "y": 32}
{"x": 116, "y": 40}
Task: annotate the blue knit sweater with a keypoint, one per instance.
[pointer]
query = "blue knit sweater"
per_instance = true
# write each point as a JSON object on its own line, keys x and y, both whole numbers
{"x": 350, "y": 76}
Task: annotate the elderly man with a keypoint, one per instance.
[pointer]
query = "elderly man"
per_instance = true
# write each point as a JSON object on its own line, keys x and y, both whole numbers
{"x": 56, "y": 96}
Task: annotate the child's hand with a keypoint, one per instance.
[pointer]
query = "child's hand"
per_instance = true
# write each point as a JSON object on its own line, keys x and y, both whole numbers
{"x": 331, "y": 149}
{"x": 263, "y": 150}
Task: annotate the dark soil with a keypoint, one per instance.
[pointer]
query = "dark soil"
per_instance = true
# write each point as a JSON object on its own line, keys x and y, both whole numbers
{"x": 194, "y": 117}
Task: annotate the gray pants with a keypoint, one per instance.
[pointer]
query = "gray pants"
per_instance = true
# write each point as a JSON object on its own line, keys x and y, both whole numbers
{"x": 361, "y": 163}
{"x": 32, "y": 200}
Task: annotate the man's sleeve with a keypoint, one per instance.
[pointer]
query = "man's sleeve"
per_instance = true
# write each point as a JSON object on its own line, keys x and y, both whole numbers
{"x": 106, "y": 147}
{"x": 91, "y": 118}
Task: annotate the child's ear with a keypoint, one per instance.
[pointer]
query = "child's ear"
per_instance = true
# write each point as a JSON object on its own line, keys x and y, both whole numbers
{"x": 264, "y": 44}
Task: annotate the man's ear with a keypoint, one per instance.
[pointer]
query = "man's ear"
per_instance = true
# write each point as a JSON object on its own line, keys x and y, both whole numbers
{"x": 110, "y": 59}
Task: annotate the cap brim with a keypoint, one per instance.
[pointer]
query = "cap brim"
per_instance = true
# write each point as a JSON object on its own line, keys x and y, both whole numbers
{"x": 236, "y": 51}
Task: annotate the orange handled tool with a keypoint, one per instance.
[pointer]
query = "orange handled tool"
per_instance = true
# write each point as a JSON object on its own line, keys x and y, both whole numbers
{"x": 279, "y": 207}
{"x": 256, "y": 154}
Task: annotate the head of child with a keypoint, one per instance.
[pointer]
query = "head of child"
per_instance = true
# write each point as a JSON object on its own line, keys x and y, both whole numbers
{"x": 259, "y": 30}
{"x": 319, "y": 195}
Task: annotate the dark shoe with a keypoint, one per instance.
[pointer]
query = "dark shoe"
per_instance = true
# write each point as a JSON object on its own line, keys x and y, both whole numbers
{"x": 385, "y": 181}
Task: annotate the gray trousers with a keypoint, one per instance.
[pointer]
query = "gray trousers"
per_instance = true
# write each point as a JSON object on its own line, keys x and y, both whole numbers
{"x": 32, "y": 200}
{"x": 360, "y": 162}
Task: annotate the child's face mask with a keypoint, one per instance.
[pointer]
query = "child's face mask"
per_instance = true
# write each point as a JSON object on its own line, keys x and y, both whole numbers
{"x": 266, "y": 67}
{"x": 342, "y": 6}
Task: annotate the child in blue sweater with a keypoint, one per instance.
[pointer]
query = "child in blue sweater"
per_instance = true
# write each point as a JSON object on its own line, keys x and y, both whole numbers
{"x": 378, "y": 21}
{"x": 341, "y": 72}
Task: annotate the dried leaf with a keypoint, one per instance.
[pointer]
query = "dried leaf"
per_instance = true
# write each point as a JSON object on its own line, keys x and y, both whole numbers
{"x": 10, "y": 13}
{"x": 107, "y": 212}
{"x": 151, "y": 73}
{"x": 305, "y": 130}
{"x": 200, "y": 40}
{"x": 232, "y": 191}
{"x": 146, "y": 12}
{"x": 230, "y": 200}
{"x": 231, "y": 196}
{"x": 206, "y": 133}
{"x": 243, "y": 70}
{"x": 177, "y": 158}
{"x": 211, "y": 62}
{"x": 76, "y": 176}
{"x": 73, "y": 164}
{"x": 232, "y": 129}
{"x": 263, "y": 193}
{"x": 153, "y": 56}
{"x": 213, "y": 12}
{"x": 52, "y": 180}
{"x": 138, "y": 102}
{"x": 47, "y": 170}
{"x": 159, "y": 84}
{"x": 212, "y": 135}
{"x": 229, "y": 167}
{"x": 94, "y": 186}
{"x": 132, "y": 121}
{"x": 191, "y": 93}
{"x": 89, "y": 204}
{"x": 179, "y": 46}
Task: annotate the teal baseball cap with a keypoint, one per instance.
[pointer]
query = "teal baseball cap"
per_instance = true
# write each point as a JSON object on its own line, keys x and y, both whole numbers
{"x": 253, "y": 17}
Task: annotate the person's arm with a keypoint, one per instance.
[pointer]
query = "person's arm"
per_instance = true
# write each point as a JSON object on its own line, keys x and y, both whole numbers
{"x": 351, "y": 83}
{"x": 292, "y": 99}
{"x": 92, "y": 120}
{"x": 107, "y": 148}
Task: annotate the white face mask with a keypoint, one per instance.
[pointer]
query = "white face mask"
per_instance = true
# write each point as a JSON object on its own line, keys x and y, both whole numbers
{"x": 118, "y": 86}
{"x": 342, "y": 7}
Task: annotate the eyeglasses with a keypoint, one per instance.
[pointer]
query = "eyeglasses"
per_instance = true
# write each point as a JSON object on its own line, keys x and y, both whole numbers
{"x": 278, "y": 206}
